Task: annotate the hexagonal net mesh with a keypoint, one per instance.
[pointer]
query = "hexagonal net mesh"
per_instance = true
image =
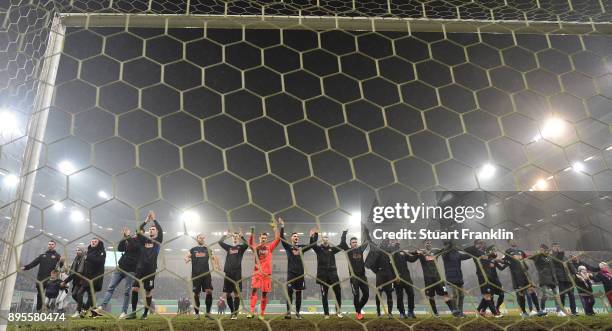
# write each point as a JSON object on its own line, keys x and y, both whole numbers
{"x": 220, "y": 116}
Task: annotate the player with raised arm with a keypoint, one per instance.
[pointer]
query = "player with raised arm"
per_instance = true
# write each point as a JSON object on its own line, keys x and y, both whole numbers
{"x": 295, "y": 268}
{"x": 403, "y": 281}
{"x": 522, "y": 284}
{"x": 379, "y": 261}
{"x": 232, "y": 283}
{"x": 200, "y": 257}
{"x": 147, "y": 262}
{"x": 359, "y": 281}
{"x": 452, "y": 259}
{"x": 327, "y": 273}
{"x": 262, "y": 270}
{"x": 433, "y": 282}
{"x": 490, "y": 266}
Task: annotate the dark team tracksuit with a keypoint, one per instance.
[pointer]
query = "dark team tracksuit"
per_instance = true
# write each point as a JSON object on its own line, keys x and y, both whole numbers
{"x": 520, "y": 277}
{"x": 327, "y": 273}
{"x": 565, "y": 284}
{"x": 200, "y": 276}
{"x": 233, "y": 272}
{"x": 359, "y": 281}
{"x": 46, "y": 262}
{"x": 452, "y": 259}
{"x": 147, "y": 263}
{"x": 295, "y": 271}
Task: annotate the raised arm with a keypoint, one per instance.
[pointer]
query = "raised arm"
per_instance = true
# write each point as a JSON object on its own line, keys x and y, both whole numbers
{"x": 343, "y": 244}
{"x": 277, "y": 235}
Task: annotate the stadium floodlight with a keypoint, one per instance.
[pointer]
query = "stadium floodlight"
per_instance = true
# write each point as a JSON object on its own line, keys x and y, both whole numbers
{"x": 486, "y": 171}
{"x": 8, "y": 123}
{"x": 541, "y": 184}
{"x": 58, "y": 206}
{"x": 355, "y": 219}
{"x": 578, "y": 166}
{"x": 552, "y": 128}
{"x": 190, "y": 217}
{"x": 66, "y": 167}
{"x": 76, "y": 216}
{"x": 10, "y": 181}
{"x": 103, "y": 195}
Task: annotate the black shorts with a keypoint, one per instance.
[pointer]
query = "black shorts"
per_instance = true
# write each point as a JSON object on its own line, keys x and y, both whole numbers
{"x": 491, "y": 289}
{"x": 148, "y": 281}
{"x": 438, "y": 289}
{"x": 296, "y": 282}
{"x": 230, "y": 281}
{"x": 201, "y": 283}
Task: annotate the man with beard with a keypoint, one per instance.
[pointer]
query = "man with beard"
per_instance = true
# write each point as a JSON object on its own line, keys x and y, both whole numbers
{"x": 403, "y": 280}
{"x": 147, "y": 263}
{"x": 379, "y": 262}
{"x": 46, "y": 262}
{"x": 200, "y": 257}
{"x": 433, "y": 283}
{"x": 76, "y": 270}
{"x": 515, "y": 259}
{"x": 565, "y": 283}
{"x": 92, "y": 269}
{"x": 327, "y": 273}
{"x": 452, "y": 258}
{"x": 573, "y": 264}
{"x": 232, "y": 283}
{"x": 262, "y": 270}
{"x": 295, "y": 269}
{"x": 548, "y": 278}
{"x": 359, "y": 281}
{"x": 127, "y": 265}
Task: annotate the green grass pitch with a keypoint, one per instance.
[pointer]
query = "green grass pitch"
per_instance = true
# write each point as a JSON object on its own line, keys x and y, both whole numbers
{"x": 316, "y": 322}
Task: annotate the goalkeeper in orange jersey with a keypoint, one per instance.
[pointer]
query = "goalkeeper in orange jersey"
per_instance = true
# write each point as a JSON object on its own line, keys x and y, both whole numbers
{"x": 262, "y": 270}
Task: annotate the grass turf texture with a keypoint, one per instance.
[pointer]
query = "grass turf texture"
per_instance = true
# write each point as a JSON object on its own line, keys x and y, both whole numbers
{"x": 316, "y": 322}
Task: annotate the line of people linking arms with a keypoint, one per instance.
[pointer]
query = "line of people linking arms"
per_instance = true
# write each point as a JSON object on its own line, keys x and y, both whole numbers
{"x": 137, "y": 266}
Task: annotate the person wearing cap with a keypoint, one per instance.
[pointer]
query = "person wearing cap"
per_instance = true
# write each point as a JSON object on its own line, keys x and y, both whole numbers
{"x": 548, "y": 278}
{"x": 584, "y": 283}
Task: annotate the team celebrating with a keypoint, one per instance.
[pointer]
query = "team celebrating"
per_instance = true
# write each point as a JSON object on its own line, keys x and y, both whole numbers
{"x": 558, "y": 275}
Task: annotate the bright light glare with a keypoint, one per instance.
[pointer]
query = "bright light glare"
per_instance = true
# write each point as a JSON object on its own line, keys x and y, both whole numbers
{"x": 578, "y": 166}
{"x": 190, "y": 217}
{"x": 487, "y": 171}
{"x": 541, "y": 184}
{"x": 10, "y": 180}
{"x": 103, "y": 195}
{"x": 553, "y": 127}
{"x": 66, "y": 167}
{"x": 58, "y": 206}
{"x": 8, "y": 123}
{"x": 355, "y": 218}
{"x": 76, "y": 216}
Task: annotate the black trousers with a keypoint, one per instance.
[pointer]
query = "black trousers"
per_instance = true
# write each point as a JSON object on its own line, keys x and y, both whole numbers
{"x": 399, "y": 292}
{"x": 80, "y": 294}
{"x": 361, "y": 294}
{"x": 324, "y": 297}
{"x": 40, "y": 295}
{"x": 566, "y": 288}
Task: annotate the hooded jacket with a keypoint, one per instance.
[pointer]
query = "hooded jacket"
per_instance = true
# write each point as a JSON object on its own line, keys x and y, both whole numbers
{"x": 94, "y": 265}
